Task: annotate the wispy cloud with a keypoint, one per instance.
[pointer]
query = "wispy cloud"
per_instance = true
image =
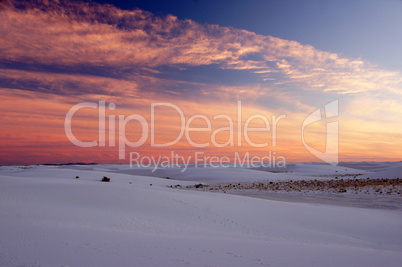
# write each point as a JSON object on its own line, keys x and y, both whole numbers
{"x": 77, "y": 34}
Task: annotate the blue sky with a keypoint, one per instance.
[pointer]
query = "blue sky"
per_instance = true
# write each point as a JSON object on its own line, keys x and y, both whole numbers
{"x": 368, "y": 29}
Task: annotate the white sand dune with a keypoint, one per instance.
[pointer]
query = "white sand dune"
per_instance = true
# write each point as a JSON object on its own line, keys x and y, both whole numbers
{"x": 297, "y": 171}
{"x": 393, "y": 172}
{"x": 371, "y": 166}
{"x": 49, "y": 218}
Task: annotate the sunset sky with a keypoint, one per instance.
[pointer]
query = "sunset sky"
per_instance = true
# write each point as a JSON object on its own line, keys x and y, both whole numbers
{"x": 208, "y": 58}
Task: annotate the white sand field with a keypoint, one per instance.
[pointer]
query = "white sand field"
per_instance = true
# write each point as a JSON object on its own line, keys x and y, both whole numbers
{"x": 50, "y": 218}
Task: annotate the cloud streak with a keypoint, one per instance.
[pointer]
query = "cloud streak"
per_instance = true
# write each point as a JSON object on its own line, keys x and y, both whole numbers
{"x": 86, "y": 34}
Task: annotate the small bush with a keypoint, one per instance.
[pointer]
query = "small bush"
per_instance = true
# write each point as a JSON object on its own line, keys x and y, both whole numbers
{"x": 105, "y": 179}
{"x": 199, "y": 186}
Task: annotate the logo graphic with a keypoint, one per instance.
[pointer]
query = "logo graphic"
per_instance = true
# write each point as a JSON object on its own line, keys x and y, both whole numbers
{"x": 236, "y": 129}
{"x": 332, "y": 139}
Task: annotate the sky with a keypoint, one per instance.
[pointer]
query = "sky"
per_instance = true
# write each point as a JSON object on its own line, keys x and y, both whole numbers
{"x": 369, "y": 29}
{"x": 148, "y": 62}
